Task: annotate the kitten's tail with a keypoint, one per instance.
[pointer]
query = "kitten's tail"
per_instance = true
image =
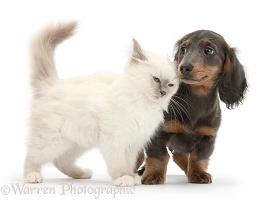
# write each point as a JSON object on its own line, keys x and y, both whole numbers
{"x": 43, "y": 70}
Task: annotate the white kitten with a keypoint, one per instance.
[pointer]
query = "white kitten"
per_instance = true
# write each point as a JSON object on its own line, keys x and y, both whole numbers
{"x": 118, "y": 113}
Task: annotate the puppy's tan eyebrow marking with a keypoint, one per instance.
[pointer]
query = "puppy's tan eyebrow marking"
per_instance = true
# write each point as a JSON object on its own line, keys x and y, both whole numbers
{"x": 205, "y": 42}
{"x": 187, "y": 43}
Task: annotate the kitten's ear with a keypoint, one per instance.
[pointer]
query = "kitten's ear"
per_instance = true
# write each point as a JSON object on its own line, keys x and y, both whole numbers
{"x": 138, "y": 53}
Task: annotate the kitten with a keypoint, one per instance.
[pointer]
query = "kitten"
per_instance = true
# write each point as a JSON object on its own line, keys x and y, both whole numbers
{"x": 117, "y": 113}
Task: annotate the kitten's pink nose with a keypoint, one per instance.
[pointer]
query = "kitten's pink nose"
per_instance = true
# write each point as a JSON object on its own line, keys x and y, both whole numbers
{"x": 163, "y": 93}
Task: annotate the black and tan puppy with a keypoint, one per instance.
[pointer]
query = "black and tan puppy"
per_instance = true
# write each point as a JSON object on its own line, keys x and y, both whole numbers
{"x": 209, "y": 70}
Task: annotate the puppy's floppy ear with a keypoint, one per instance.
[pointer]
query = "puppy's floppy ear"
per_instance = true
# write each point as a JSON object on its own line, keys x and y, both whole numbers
{"x": 176, "y": 50}
{"x": 137, "y": 53}
{"x": 233, "y": 84}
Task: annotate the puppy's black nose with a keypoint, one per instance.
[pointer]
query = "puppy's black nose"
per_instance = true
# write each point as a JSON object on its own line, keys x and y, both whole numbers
{"x": 186, "y": 69}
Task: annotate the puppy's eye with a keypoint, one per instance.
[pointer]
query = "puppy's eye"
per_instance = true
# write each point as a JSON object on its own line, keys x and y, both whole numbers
{"x": 183, "y": 50}
{"x": 157, "y": 80}
{"x": 208, "y": 51}
{"x": 170, "y": 85}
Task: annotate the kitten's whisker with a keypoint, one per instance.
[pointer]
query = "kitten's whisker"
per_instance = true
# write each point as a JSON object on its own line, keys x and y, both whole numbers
{"x": 182, "y": 107}
{"x": 178, "y": 111}
{"x": 173, "y": 110}
{"x": 170, "y": 110}
{"x": 184, "y": 101}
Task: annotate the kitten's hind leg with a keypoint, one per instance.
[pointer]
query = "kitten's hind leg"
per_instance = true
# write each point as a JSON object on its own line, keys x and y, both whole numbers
{"x": 66, "y": 164}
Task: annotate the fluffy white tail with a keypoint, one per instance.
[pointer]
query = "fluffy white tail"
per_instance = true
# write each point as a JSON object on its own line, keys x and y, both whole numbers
{"x": 43, "y": 70}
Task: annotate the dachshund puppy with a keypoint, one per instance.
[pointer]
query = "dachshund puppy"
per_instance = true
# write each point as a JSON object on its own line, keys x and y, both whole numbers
{"x": 209, "y": 70}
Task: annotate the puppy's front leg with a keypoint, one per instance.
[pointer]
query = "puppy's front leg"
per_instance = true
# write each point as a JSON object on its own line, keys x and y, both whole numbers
{"x": 156, "y": 161}
{"x": 197, "y": 170}
{"x": 199, "y": 158}
{"x": 155, "y": 170}
{"x": 182, "y": 160}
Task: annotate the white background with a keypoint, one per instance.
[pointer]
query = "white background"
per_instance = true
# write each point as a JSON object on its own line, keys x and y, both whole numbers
{"x": 245, "y": 161}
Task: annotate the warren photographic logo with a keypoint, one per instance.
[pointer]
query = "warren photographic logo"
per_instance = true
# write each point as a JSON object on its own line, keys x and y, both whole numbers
{"x": 65, "y": 189}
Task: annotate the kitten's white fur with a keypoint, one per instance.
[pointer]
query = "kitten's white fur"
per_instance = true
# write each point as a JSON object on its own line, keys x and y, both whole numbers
{"x": 117, "y": 113}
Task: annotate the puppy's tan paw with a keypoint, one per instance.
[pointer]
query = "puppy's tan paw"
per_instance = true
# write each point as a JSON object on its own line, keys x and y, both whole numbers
{"x": 199, "y": 177}
{"x": 153, "y": 179}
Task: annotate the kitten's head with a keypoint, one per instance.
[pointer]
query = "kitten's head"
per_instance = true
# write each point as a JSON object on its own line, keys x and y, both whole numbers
{"x": 153, "y": 75}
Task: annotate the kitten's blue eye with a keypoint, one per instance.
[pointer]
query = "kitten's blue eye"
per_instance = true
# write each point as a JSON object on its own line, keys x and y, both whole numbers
{"x": 157, "y": 80}
{"x": 170, "y": 85}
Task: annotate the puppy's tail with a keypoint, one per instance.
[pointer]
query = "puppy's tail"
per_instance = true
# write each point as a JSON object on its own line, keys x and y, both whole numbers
{"x": 43, "y": 70}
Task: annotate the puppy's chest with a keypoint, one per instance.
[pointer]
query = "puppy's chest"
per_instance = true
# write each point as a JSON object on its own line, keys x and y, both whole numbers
{"x": 182, "y": 137}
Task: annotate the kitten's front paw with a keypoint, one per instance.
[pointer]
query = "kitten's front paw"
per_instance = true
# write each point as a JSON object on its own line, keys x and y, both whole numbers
{"x": 33, "y": 177}
{"x": 88, "y": 173}
{"x": 125, "y": 180}
{"x": 137, "y": 179}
